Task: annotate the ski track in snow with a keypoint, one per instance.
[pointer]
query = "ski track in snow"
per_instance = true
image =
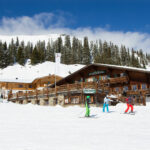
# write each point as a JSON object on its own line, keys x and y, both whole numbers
{"x": 33, "y": 127}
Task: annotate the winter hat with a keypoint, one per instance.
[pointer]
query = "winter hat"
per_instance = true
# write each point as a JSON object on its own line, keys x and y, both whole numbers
{"x": 87, "y": 96}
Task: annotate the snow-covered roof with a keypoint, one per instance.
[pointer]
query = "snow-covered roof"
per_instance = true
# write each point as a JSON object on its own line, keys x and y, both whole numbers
{"x": 103, "y": 65}
{"x": 16, "y": 80}
{"x": 124, "y": 67}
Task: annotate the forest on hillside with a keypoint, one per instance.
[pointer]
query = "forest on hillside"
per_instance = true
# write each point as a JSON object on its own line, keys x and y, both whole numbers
{"x": 73, "y": 51}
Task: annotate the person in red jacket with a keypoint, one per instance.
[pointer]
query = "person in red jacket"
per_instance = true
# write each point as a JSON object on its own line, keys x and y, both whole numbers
{"x": 129, "y": 102}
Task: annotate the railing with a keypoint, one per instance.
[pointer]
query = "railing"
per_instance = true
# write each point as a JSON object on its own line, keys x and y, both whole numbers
{"x": 118, "y": 80}
{"x": 62, "y": 88}
{"x": 114, "y": 80}
{"x": 59, "y": 89}
{"x": 91, "y": 85}
{"x": 76, "y": 87}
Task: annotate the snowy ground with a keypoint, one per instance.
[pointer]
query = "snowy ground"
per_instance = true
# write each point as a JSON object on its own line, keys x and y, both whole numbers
{"x": 28, "y": 72}
{"x": 32, "y": 127}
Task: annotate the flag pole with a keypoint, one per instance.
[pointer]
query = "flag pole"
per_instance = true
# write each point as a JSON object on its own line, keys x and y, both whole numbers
{"x": 55, "y": 78}
{"x": 55, "y": 72}
{"x": 57, "y": 62}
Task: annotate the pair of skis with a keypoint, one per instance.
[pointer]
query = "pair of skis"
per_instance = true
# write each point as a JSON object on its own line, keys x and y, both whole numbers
{"x": 91, "y": 116}
{"x": 130, "y": 113}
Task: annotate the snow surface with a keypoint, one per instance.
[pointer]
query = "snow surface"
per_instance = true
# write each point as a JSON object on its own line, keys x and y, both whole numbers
{"x": 33, "y": 127}
{"x": 28, "y": 73}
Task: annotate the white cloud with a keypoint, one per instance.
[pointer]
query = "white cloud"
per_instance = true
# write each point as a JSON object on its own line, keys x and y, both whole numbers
{"x": 47, "y": 23}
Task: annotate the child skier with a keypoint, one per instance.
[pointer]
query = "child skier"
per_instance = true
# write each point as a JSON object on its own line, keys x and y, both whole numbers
{"x": 87, "y": 106}
{"x": 106, "y": 103}
{"x": 129, "y": 102}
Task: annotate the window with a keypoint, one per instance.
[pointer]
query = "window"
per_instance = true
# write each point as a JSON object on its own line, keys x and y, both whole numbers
{"x": 103, "y": 77}
{"x": 134, "y": 87}
{"x": 81, "y": 80}
{"x": 90, "y": 79}
{"x": 66, "y": 101}
{"x": 125, "y": 88}
{"x": 122, "y": 74}
{"x": 100, "y": 78}
{"x": 20, "y": 86}
{"x": 74, "y": 100}
{"x": 116, "y": 75}
{"x": 30, "y": 86}
{"x": 108, "y": 76}
{"x": 144, "y": 86}
{"x": 117, "y": 89}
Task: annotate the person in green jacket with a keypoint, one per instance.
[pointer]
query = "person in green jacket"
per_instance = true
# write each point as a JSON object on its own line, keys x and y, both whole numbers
{"x": 87, "y": 106}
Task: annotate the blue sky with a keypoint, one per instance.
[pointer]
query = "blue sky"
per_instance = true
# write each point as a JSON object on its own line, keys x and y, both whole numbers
{"x": 124, "y": 15}
{"x": 119, "y": 21}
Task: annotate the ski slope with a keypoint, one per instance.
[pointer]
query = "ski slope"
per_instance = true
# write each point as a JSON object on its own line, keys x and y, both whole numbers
{"x": 28, "y": 73}
{"x": 33, "y": 127}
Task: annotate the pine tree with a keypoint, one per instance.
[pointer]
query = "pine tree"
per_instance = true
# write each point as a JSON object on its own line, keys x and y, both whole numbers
{"x": 28, "y": 50}
{"x": 80, "y": 52}
{"x": 74, "y": 59}
{"x": 67, "y": 55}
{"x": 96, "y": 54}
{"x": 41, "y": 50}
{"x": 17, "y": 42}
{"x": 20, "y": 56}
{"x": 1, "y": 56}
{"x": 60, "y": 45}
{"x": 50, "y": 53}
{"x": 13, "y": 52}
{"x": 123, "y": 55}
{"x": 5, "y": 60}
{"x": 35, "y": 58}
{"x": 86, "y": 52}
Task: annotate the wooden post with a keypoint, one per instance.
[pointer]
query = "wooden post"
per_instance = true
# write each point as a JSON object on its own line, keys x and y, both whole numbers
{"x": 26, "y": 95}
{"x": 144, "y": 100}
{"x": 82, "y": 87}
{"x": 47, "y": 93}
{"x": 36, "y": 94}
{"x": 68, "y": 94}
{"x": 17, "y": 96}
{"x": 96, "y": 96}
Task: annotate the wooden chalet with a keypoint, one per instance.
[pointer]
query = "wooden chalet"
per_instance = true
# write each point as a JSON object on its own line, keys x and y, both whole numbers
{"x": 45, "y": 81}
{"x": 16, "y": 85}
{"x": 96, "y": 80}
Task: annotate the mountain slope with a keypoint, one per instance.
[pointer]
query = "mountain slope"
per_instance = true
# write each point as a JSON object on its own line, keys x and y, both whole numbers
{"x": 28, "y": 73}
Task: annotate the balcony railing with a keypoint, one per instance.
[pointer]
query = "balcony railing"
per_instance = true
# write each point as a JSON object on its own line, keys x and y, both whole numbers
{"x": 118, "y": 80}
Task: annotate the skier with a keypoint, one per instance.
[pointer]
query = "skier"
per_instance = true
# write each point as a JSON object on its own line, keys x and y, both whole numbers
{"x": 106, "y": 103}
{"x": 129, "y": 102}
{"x": 87, "y": 106}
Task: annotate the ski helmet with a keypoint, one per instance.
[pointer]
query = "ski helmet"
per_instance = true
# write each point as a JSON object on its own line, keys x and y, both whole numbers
{"x": 87, "y": 96}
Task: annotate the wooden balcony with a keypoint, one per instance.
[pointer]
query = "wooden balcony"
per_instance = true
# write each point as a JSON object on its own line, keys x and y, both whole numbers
{"x": 72, "y": 88}
{"x": 62, "y": 88}
{"x": 76, "y": 86}
{"x": 90, "y": 85}
{"x": 133, "y": 92}
{"x": 118, "y": 80}
{"x": 104, "y": 81}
